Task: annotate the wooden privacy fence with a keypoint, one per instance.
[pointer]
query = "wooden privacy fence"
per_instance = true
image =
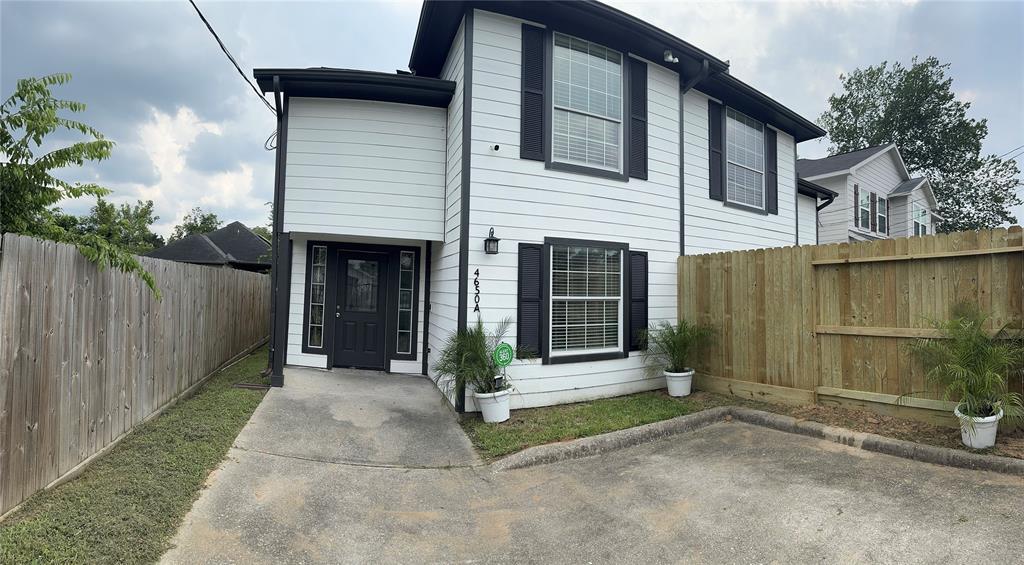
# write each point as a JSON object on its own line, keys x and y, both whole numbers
{"x": 86, "y": 355}
{"x": 827, "y": 323}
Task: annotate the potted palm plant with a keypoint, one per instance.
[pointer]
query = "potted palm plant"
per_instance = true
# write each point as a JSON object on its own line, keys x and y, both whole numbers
{"x": 467, "y": 363}
{"x": 972, "y": 365}
{"x": 669, "y": 349}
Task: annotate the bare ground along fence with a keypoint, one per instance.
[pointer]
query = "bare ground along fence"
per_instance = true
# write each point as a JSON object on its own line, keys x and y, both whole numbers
{"x": 828, "y": 323}
{"x": 86, "y": 355}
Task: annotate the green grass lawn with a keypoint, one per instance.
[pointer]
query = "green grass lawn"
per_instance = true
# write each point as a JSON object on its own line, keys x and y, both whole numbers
{"x": 536, "y": 426}
{"x": 126, "y": 506}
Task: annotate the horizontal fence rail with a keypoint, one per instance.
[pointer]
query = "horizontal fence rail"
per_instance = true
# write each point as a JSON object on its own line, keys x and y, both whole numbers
{"x": 830, "y": 322}
{"x": 86, "y": 355}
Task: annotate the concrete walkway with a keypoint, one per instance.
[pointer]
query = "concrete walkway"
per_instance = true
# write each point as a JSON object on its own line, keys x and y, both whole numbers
{"x": 727, "y": 493}
{"x": 358, "y": 417}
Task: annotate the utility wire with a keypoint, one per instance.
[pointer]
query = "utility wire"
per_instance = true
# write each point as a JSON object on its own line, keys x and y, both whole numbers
{"x": 233, "y": 61}
{"x": 1010, "y": 151}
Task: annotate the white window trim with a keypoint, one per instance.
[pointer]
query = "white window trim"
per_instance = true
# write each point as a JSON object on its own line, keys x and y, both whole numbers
{"x": 764, "y": 150}
{"x": 412, "y": 299}
{"x": 864, "y": 206}
{"x": 551, "y": 300}
{"x": 622, "y": 109}
{"x": 916, "y": 212}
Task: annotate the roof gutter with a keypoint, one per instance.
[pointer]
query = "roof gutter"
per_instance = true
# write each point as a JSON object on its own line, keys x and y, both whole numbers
{"x": 825, "y": 204}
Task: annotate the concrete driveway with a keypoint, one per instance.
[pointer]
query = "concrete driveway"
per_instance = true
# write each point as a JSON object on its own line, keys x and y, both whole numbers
{"x": 727, "y": 493}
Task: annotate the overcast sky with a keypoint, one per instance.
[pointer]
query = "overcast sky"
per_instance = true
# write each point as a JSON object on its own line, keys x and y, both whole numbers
{"x": 190, "y": 132}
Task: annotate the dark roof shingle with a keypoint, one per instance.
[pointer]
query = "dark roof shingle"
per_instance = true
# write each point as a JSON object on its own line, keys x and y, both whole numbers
{"x": 806, "y": 168}
{"x": 231, "y": 244}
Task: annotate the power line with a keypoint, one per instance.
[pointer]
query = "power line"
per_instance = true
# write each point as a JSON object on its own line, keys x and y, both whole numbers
{"x": 233, "y": 61}
{"x": 1010, "y": 151}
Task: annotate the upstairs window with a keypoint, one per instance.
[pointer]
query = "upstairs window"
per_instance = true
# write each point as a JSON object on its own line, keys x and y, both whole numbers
{"x": 586, "y": 120}
{"x": 745, "y": 156}
{"x": 921, "y": 220}
{"x": 882, "y": 216}
{"x": 865, "y": 209}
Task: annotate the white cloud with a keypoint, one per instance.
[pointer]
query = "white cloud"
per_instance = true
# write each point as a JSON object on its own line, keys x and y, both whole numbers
{"x": 165, "y": 140}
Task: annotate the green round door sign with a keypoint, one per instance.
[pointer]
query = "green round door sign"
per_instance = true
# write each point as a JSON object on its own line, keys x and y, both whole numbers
{"x": 503, "y": 354}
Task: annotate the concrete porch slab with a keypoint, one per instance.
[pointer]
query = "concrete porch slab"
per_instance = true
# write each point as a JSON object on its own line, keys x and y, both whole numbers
{"x": 358, "y": 417}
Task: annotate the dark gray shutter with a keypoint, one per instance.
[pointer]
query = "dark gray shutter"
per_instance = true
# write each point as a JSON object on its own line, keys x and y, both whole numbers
{"x": 888, "y": 219}
{"x": 856, "y": 206}
{"x": 637, "y": 299}
{"x": 528, "y": 317}
{"x": 637, "y": 119}
{"x": 874, "y": 212}
{"x": 771, "y": 178}
{"x": 531, "y": 126}
{"x": 716, "y": 159}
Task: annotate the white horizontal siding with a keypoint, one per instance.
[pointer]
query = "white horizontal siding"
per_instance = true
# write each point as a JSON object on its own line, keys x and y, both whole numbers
{"x": 444, "y": 267}
{"x": 807, "y": 219}
{"x": 902, "y": 209}
{"x": 296, "y": 305}
{"x": 525, "y": 202}
{"x": 365, "y": 168}
{"x": 835, "y": 220}
{"x": 880, "y": 176}
{"x": 710, "y": 225}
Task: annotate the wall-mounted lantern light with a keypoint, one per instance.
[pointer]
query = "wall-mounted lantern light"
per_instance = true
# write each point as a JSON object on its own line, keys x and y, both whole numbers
{"x": 491, "y": 244}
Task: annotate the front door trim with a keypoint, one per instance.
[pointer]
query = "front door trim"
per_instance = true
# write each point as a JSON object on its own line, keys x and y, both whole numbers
{"x": 393, "y": 253}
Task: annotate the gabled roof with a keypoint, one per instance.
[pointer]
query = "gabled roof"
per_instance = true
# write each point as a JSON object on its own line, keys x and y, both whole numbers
{"x": 810, "y": 168}
{"x": 907, "y": 186}
{"x": 440, "y": 20}
{"x": 233, "y": 244}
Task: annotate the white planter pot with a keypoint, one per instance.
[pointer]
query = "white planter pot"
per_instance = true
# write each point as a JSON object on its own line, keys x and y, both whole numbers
{"x": 982, "y": 433}
{"x": 679, "y": 384}
{"x": 493, "y": 405}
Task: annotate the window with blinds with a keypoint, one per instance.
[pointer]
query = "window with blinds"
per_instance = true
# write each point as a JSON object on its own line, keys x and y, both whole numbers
{"x": 745, "y": 155}
{"x": 317, "y": 292}
{"x": 586, "y": 120}
{"x": 586, "y": 299}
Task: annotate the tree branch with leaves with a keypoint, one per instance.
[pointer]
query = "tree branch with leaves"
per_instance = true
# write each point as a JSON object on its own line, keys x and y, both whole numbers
{"x": 30, "y": 192}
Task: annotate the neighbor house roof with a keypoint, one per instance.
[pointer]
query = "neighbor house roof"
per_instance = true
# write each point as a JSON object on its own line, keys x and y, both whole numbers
{"x": 327, "y": 82}
{"x": 233, "y": 244}
{"x": 440, "y": 20}
{"x": 907, "y": 186}
{"x": 809, "y": 168}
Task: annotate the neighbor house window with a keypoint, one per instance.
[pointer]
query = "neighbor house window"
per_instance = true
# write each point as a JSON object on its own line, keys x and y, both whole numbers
{"x": 406, "y": 282}
{"x": 921, "y": 220}
{"x": 744, "y": 141}
{"x": 586, "y": 299}
{"x": 865, "y": 210}
{"x": 586, "y": 119}
{"x": 317, "y": 291}
{"x": 883, "y": 217}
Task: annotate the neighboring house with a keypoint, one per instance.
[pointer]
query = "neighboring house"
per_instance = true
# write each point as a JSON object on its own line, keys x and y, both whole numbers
{"x": 233, "y": 245}
{"x": 588, "y": 147}
{"x": 877, "y": 198}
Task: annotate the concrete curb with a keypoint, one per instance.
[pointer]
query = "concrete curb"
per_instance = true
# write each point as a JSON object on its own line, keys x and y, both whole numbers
{"x": 585, "y": 447}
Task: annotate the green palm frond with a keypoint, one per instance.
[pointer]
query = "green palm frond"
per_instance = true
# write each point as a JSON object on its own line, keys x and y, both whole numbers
{"x": 972, "y": 364}
{"x": 670, "y": 347}
{"x": 467, "y": 359}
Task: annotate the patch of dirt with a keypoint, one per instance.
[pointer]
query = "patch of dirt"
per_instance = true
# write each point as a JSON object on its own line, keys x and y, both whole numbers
{"x": 1008, "y": 443}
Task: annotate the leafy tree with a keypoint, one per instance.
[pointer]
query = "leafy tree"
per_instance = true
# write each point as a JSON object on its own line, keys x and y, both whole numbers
{"x": 195, "y": 222}
{"x": 915, "y": 107}
{"x": 127, "y": 225}
{"x": 30, "y": 190}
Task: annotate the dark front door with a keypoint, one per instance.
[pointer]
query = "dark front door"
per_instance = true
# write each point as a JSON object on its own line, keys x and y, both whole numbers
{"x": 360, "y": 310}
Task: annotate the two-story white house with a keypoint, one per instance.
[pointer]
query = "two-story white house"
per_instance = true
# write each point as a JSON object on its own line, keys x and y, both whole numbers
{"x": 545, "y": 162}
{"x": 876, "y": 196}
